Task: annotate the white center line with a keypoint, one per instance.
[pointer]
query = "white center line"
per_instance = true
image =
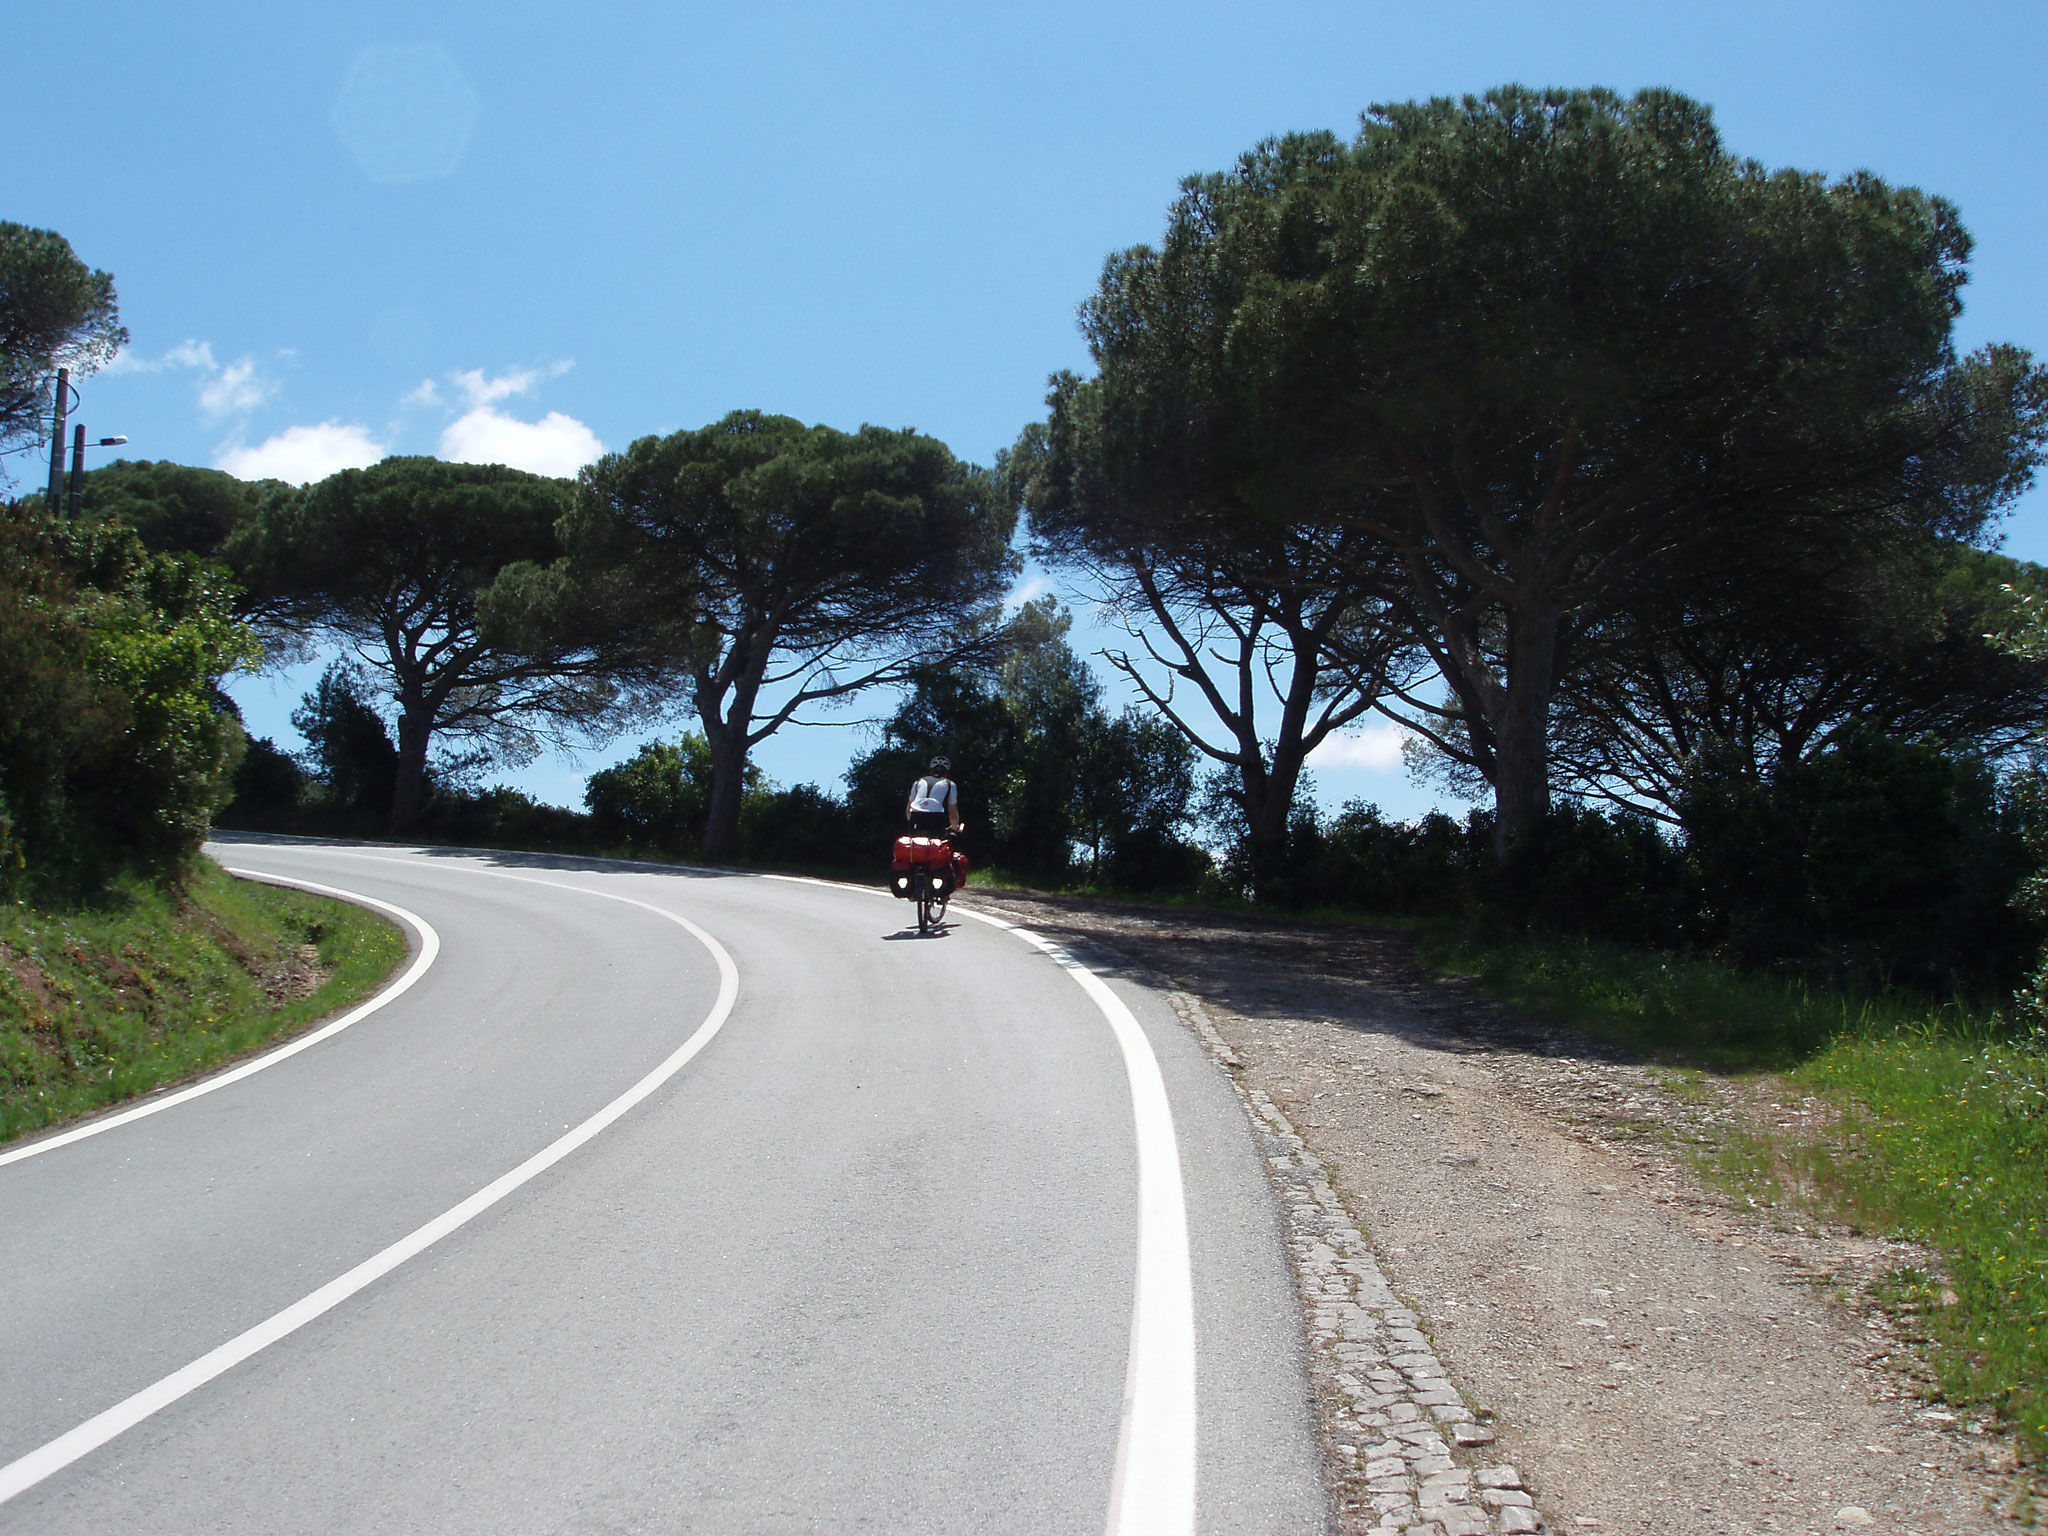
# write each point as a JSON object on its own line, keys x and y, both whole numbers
{"x": 1152, "y": 1492}
{"x": 18, "y": 1476}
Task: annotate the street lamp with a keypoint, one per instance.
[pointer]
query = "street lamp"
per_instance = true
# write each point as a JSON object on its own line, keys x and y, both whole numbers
{"x": 60, "y": 410}
{"x": 77, "y": 501}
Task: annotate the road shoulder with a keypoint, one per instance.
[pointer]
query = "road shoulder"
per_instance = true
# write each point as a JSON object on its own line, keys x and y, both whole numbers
{"x": 1651, "y": 1356}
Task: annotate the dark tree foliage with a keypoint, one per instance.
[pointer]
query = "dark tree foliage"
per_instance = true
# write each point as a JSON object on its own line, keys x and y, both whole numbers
{"x": 269, "y": 788}
{"x": 1137, "y": 782}
{"x": 1043, "y": 769}
{"x": 1889, "y": 861}
{"x": 1261, "y": 628}
{"x": 660, "y": 797}
{"x": 113, "y": 754}
{"x": 1779, "y": 664}
{"x": 348, "y": 747}
{"x": 814, "y": 563}
{"x": 508, "y": 818}
{"x": 55, "y": 312}
{"x": 1432, "y": 867}
{"x": 448, "y": 582}
{"x": 805, "y": 826}
{"x": 1539, "y": 347}
{"x": 175, "y": 508}
{"x": 1872, "y": 862}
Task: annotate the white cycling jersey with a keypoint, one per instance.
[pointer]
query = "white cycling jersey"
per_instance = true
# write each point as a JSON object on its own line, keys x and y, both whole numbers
{"x": 934, "y": 794}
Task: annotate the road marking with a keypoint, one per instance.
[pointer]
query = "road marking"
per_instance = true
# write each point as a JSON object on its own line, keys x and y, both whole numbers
{"x": 18, "y": 1476}
{"x": 430, "y": 946}
{"x": 1153, "y": 1491}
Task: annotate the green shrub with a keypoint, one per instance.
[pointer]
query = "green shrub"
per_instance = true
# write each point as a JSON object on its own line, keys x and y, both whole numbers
{"x": 1882, "y": 861}
{"x": 803, "y": 825}
{"x": 114, "y": 753}
{"x": 348, "y": 746}
{"x": 269, "y": 785}
{"x": 659, "y": 798}
{"x": 507, "y": 818}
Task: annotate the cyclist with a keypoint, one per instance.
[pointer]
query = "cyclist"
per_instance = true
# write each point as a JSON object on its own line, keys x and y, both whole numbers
{"x": 934, "y": 804}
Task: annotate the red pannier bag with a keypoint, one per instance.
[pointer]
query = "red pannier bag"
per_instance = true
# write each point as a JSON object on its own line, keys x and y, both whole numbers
{"x": 927, "y": 856}
{"x": 919, "y": 853}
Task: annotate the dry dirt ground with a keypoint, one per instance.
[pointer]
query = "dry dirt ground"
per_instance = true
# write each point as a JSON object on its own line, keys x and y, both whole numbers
{"x": 1658, "y": 1357}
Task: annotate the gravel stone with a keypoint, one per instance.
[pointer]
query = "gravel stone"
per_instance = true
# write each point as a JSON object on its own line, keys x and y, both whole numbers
{"x": 1735, "y": 1364}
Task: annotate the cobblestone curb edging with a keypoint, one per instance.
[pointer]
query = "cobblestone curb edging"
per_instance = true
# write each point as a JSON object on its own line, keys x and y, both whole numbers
{"x": 1393, "y": 1421}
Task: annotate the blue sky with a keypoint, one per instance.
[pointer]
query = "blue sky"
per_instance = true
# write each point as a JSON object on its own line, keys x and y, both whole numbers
{"x": 525, "y": 230}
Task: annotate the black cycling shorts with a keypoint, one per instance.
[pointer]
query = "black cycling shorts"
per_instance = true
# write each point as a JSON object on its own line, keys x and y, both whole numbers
{"x": 927, "y": 822}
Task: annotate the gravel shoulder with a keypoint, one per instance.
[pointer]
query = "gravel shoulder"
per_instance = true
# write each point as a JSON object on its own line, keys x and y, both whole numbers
{"x": 1653, "y": 1355}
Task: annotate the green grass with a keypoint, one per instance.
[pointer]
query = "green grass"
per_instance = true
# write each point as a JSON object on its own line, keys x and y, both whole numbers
{"x": 1939, "y": 1131}
{"x": 104, "y": 1002}
{"x": 1686, "y": 1010}
{"x": 1945, "y": 1139}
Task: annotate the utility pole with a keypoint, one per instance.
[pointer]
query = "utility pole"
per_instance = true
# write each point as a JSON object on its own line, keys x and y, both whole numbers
{"x": 77, "y": 470}
{"x": 57, "y": 500}
{"x": 57, "y": 440}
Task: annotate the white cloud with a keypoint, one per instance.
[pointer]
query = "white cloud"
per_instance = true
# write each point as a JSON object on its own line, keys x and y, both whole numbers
{"x": 300, "y": 454}
{"x": 190, "y": 354}
{"x": 235, "y": 389}
{"x": 483, "y": 390}
{"x": 186, "y": 354}
{"x": 428, "y": 393}
{"x": 554, "y": 445}
{"x": 231, "y": 390}
{"x": 1375, "y": 749}
{"x": 1026, "y": 590}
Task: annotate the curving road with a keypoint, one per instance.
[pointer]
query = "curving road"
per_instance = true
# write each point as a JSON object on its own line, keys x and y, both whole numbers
{"x": 573, "y": 1235}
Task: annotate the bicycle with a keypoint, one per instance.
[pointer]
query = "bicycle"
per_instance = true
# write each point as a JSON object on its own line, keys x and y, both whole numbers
{"x": 927, "y": 869}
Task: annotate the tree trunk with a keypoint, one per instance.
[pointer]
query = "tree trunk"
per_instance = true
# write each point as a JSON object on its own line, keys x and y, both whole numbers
{"x": 1521, "y": 779}
{"x": 726, "y": 724}
{"x": 1265, "y": 840}
{"x": 728, "y": 785}
{"x": 408, "y": 794}
{"x": 1268, "y": 815}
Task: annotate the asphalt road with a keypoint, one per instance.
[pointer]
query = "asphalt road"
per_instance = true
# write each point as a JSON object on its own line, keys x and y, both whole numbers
{"x": 869, "y": 1260}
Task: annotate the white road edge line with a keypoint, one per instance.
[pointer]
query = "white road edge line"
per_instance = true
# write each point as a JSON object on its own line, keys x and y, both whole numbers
{"x": 430, "y": 947}
{"x": 1153, "y": 1491}
{"x": 20, "y": 1475}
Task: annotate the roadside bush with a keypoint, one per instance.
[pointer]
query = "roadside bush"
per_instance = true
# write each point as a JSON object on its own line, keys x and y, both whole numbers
{"x": 1608, "y": 875}
{"x": 803, "y": 825}
{"x": 1149, "y": 859}
{"x": 269, "y": 787}
{"x": 1428, "y": 868}
{"x": 348, "y": 747}
{"x": 509, "y": 818}
{"x": 1880, "y": 861}
{"x": 660, "y": 797}
{"x": 113, "y": 752}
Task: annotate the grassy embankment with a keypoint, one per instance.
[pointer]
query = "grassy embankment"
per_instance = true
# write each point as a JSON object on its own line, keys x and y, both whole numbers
{"x": 1939, "y": 1130}
{"x": 104, "y": 1002}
